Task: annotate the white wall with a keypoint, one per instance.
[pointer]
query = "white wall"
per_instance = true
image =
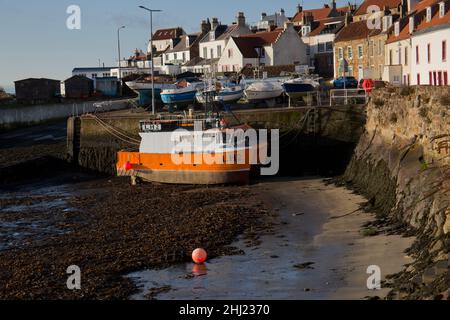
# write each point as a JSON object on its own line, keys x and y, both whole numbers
{"x": 289, "y": 49}
{"x": 436, "y": 64}
{"x": 398, "y": 67}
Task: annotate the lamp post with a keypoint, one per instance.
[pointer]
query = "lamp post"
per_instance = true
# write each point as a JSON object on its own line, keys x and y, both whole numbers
{"x": 118, "y": 49}
{"x": 151, "y": 50}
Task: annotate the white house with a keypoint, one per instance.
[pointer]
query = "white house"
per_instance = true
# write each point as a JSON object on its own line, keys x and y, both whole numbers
{"x": 214, "y": 42}
{"x": 319, "y": 37}
{"x": 92, "y": 73}
{"x": 282, "y": 46}
{"x": 165, "y": 38}
{"x": 430, "y": 43}
{"x": 276, "y": 20}
{"x": 397, "y": 67}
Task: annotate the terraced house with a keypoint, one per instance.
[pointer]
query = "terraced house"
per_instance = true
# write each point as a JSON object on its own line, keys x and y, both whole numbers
{"x": 360, "y": 46}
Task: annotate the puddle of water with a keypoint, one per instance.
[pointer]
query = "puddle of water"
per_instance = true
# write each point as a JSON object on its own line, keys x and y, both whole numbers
{"x": 265, "y": 272}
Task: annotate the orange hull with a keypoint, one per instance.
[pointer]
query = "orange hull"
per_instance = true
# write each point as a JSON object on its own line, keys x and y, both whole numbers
{"x": 161, "y": 168}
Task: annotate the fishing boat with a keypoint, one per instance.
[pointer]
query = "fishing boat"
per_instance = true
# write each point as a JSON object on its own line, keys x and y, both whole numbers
{"x": 183, "y": 93}
{"x": 264, "y": 90}
{"x": 143, "y": 87}
{"x": 163, "y": 141}
{"x": 300, "y": 87}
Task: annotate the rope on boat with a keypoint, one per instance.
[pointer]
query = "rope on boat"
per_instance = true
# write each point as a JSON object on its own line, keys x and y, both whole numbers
{"x": 114, "y": 132}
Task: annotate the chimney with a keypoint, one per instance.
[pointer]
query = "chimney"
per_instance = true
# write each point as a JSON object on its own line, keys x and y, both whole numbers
{"x": 240, "y": 19}
{"x": 263, "y": 15}
{"x": 205, "y": 27}
{"x": 348, "y": 18}
{"x": 326, "y": 6}
{"x": 333, "y": 5}
{"x": 299, "y": 8}
{"x": 214, "y": 23}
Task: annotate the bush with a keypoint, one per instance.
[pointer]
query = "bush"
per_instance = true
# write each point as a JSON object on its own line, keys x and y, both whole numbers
{"x": 423, "y": 112}
{"x": 406, "y": 91}
{"x": 393, "y": 119}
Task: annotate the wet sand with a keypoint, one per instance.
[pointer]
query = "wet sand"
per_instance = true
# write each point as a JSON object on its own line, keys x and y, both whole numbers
{"x": 309, "y": 254}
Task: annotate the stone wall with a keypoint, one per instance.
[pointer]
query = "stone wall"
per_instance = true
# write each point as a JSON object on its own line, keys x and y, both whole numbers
{"x": 402, "y": 164}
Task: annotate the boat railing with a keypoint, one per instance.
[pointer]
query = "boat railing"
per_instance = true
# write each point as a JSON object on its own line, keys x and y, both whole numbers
{"x": 346, "y": 96}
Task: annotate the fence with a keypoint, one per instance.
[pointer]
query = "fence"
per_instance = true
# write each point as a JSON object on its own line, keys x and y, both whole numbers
{"x": 348, "y": 96}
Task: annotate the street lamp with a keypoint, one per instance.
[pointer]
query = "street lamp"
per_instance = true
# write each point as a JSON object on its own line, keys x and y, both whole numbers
{"x": 151, "y": 50}
{"x": 118, "y": 49}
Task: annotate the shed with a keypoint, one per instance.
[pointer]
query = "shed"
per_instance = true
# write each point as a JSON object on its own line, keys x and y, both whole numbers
{"x": 78, "y": 87}
{"x": 107, "y": 86}
{"x": 34, "y": 91}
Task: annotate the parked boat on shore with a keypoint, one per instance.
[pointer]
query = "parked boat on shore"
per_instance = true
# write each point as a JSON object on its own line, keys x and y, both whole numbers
{"x": 143, "y": 87}
{"x": 300, "y": 87}
{"x": 264, "y": 90}
{"x": 220, "y": 93}
{"x": 183, "y": 93}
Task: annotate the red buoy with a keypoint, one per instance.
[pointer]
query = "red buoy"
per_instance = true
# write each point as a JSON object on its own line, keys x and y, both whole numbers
{"x": 128, "y": 166}
{"x": 199, "y": 256}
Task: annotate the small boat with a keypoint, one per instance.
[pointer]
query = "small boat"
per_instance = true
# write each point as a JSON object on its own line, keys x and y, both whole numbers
{"x": 183, "y": 93}
{"x": 300, "y": 87}
{"x": 264, "y": 90}
{"x": 220, "y": 93}
{"x": 143, "y": 87}
{"x": 231, "y": 93}
{"x": 162, "y": 142}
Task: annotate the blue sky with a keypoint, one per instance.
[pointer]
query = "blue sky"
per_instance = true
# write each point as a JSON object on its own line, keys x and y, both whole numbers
{"x": 36, "y": 43}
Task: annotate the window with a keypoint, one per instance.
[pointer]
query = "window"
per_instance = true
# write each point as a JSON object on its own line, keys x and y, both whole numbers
{"x": 205, "y": 52}
{"x": 429, "y": 53}
{"x": 321, "y": 47}
{"x": 440, "y": 78}
{"x": 184, "y": 56}
{"x": 212, "y": 36}
{"x": 340, "y": 53}
{"x": 417, "y": 55}
{"x": 212, "y": 53}
{"x": 94, "y": 75}
{"x": 418, "y": 79}
{"x": 435, "y": 77}
{"x": 444, "y": 50}
{"x": 350, "y": 52}
{"x": 308, "y": 50}
{"x": 350, "y": 71}
{"x": 175, "y": 56}
{"x": 360, "y": 52}
{"x": 445, "y": 78}
{"x": 399, "y": 55}
{"x": 329, "y": 46}
{"x": 219, "y": 51}
{"x": 430, "y": 76}
{"x": 230, "y": 53}
{"x": 380, "y": 47}
{"x": 406, "y": 56}
{"x": 442, "y": 9}
{"x": 391, "y": 62}
{"x": 428, "y": 14}
{"x": 371, "y": 44}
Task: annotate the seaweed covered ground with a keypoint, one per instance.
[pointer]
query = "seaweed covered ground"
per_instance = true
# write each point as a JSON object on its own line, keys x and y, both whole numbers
{"x": 108, "y": 229}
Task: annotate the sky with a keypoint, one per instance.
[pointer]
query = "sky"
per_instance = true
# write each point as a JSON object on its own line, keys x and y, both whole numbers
{"x": 35, "y": 41}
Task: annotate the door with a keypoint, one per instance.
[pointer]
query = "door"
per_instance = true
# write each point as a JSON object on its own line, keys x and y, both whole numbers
{"x": 360, "y": 73}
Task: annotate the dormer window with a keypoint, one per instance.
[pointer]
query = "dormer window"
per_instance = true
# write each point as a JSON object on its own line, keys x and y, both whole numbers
{"x": 212, "y": 35}
{"x": 387, "y": 23}
{"x": 428, "y": 14}
{"x": 442, "y": 9}
{"x": 397, "y": 29}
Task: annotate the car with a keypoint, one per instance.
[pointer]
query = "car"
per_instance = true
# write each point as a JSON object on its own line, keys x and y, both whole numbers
{"x": 345, "y": 82}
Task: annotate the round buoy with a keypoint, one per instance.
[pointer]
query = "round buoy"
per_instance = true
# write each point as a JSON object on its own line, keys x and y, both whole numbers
{"x": 199, "y": 256}
{"x": 128, "y": 166}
